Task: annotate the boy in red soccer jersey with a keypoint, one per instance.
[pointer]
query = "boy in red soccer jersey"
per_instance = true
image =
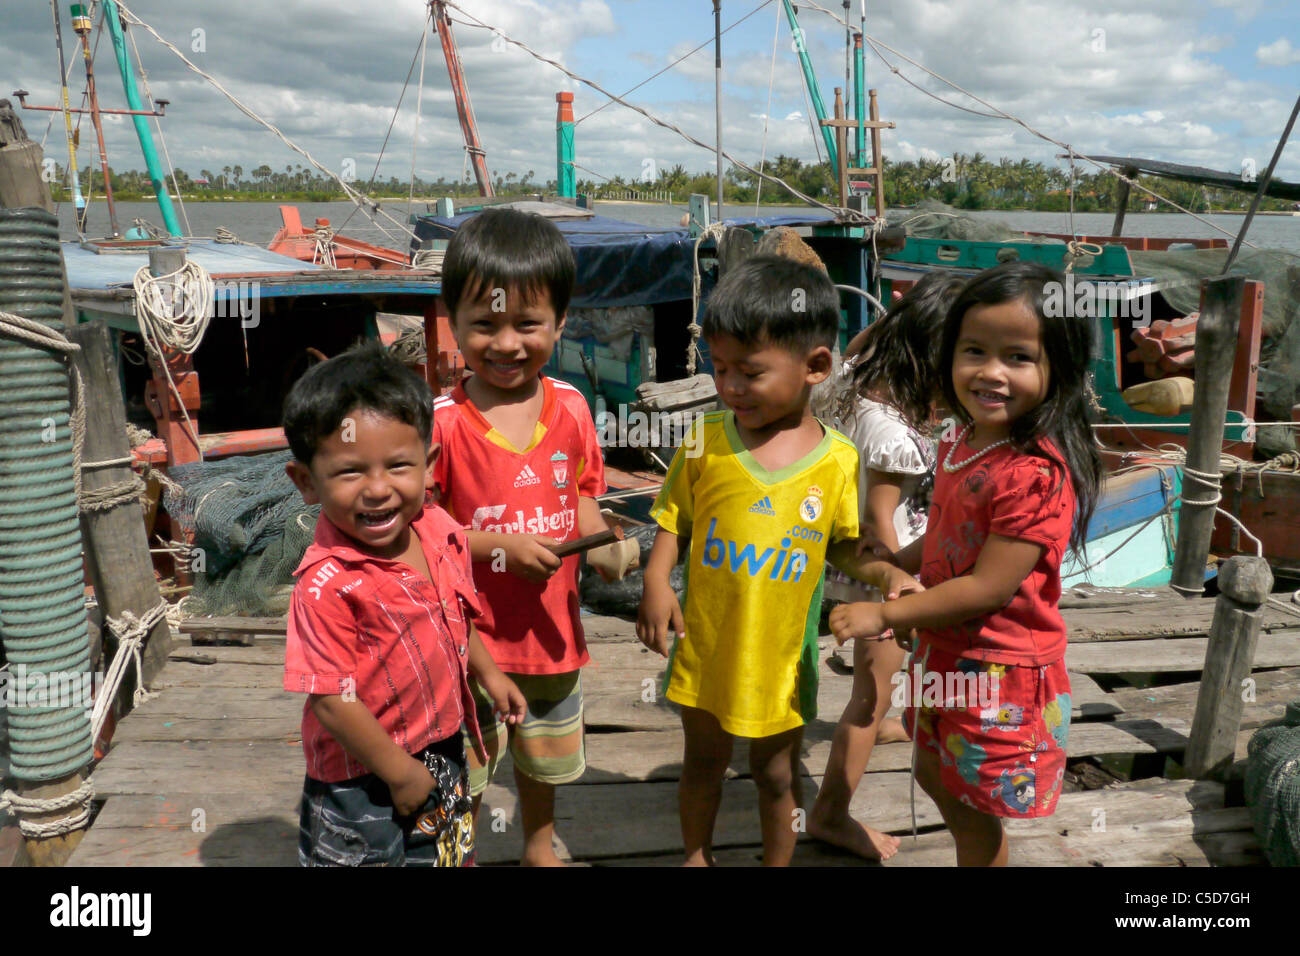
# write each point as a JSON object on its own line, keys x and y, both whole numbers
{"x": 521, "y": 468}
{"x": 380, "y": 634}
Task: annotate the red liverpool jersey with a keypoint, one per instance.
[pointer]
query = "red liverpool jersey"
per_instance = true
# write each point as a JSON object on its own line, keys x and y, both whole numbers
{"x": 489, "y": 485}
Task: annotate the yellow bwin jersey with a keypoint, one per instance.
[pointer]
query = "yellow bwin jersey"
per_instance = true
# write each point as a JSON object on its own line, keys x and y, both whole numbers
{"x": 754, "y": 573}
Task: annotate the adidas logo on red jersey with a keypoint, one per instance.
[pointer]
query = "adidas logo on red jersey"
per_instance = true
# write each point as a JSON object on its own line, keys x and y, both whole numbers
{"x": 526, "y": 477}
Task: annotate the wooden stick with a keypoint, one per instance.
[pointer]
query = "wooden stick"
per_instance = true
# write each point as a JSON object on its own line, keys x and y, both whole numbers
{"x": 1244, "y": 585}
{"x": 590, "y": 541}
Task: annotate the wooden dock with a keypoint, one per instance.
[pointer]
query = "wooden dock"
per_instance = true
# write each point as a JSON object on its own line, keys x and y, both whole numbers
{"x": 209, "y": 771}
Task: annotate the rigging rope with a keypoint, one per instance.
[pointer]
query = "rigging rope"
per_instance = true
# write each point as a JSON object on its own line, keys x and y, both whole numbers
{"x": 364, "y": 202}
{"x": 841, "y": 213}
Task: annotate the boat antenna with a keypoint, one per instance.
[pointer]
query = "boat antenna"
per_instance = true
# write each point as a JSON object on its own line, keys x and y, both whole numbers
{"x": 1263, "y": 185}
{"x": 82, "y": 24}
{"x": 717, "y": 90}
{"x": 79, "y": 199}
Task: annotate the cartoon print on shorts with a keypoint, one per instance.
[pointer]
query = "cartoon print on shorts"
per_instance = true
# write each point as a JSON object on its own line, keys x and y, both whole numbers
{"x": 1056, "y": 715}
{"x": 1016, "y": 789}
{"x": 1056, "y": 783}
{"x": 966, "y": 756}
{"x": 1005, "y": 718}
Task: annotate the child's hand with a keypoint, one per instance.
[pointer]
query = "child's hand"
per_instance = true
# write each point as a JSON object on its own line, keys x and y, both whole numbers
{"x": 530, "y": 556}
{"x": 411, "y": 789}
{"x": 507, "y": 699}
{"x": 659, "y": 613}
{"x": 894, "y": 582}
{"x": 868, "y": 543}
{"x": 864, "y": 619}
{"x": 612, "y": 561}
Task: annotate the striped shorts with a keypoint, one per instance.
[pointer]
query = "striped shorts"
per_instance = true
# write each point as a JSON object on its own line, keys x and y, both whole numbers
{"x": 548, "y": 745}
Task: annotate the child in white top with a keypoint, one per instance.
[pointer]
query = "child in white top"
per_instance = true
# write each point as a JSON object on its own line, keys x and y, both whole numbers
{"x": 884, "y": 405}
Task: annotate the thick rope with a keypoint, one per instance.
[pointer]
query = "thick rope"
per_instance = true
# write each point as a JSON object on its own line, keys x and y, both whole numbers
{"x": 173, "y": 311}
{"x": 36, "y": 829}
{"x": 131, "y": 632}
{"x": 715, "y": 231}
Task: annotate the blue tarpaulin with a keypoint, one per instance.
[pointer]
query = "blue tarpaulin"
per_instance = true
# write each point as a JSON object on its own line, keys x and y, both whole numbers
{"x": 621, "y": 263}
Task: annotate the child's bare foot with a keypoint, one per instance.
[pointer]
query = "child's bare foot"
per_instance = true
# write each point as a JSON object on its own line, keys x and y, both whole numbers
{"x": 892, "y": 732}
{"x": 541, "y": 857}
{"x": 849, "y": 834}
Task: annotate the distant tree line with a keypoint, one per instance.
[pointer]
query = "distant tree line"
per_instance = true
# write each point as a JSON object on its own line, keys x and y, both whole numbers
{"x": 966, "y": 182}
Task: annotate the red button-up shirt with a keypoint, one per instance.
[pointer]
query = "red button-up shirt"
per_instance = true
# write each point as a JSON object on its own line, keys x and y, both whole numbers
{"x": 378, "y": 629}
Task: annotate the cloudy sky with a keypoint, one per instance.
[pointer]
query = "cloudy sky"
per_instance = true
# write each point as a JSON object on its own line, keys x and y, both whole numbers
{"x": 1208, "y": 82}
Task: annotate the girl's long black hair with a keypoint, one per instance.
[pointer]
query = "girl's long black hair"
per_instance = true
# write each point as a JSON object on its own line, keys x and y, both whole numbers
{"x": 1065, "y": 414}
{"x": 900, "y": 351}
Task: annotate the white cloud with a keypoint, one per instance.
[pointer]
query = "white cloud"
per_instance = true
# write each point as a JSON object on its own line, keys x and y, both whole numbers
{"x": 1278, "y": 53}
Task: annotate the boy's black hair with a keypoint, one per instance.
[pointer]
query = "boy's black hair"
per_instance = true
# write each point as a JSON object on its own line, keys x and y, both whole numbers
{"x": 366, "y": 376}
{"x": 900, "y": 353}
{"x": 774, "y": 300}
{"x": 508, "y": 249}
{"x": 1065, "y": 415}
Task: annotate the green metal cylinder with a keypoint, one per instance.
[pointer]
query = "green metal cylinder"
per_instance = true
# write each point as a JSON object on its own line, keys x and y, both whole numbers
{"x": 42, "y": 609}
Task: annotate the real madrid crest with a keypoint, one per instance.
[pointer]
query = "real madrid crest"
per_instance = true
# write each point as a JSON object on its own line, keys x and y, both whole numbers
{"x": 810, "y": 509}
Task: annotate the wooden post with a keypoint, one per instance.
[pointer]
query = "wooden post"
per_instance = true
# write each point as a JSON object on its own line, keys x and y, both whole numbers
{"x": 124, "y": 578}
{"x": 21, "y": 187}
{"x": 841, "y": 149}
{"x": 877, "y": 161}
{"x": 1121, "y": 201}
{"x": 1244, "y": 585}
{"x": 1216, "y": 341}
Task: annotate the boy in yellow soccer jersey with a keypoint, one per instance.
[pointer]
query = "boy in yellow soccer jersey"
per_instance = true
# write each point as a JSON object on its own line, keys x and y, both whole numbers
{"x": 762, "y": 490}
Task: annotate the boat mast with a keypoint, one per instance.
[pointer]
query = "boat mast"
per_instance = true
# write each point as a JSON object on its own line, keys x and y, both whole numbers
{"x": 442, "y": 23}
{"x": 810, "y": 78}
{"x": 82, "y": 24}
{"x": 717, "y": 91}
{"x": 79, "y": 199}
{"x": 156, "y": 175}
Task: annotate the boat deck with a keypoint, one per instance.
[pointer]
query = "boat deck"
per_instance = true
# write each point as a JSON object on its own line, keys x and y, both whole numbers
{"x": 209, "y": 771}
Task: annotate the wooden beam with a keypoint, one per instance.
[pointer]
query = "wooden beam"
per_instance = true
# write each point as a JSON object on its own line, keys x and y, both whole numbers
{"x": 124, "y": 578}
{"x": 1121, "y": 201}
{"x": 1244, "y": 584}
{"x": 877, "y": 161}
{"x": 841, "y": 144}
{"x": 1216, "y": 340}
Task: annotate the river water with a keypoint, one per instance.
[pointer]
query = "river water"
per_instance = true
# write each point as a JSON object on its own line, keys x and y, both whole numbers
{"x": 257, "y": 221}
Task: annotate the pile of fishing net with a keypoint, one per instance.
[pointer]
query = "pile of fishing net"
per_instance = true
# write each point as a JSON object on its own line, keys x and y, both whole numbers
{"x": 1278, "y": 386}
{"x": 931, "y": 219}
{"x": 1273, "y": 787}
{"x": 249, "y": 530}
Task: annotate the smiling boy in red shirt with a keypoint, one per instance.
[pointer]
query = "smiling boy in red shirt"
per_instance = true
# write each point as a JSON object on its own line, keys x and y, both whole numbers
{"x": 521, "y": 469}
{"x": 380, "y": 634}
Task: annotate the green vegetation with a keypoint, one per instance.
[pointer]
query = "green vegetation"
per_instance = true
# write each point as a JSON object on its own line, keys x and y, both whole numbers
{"x": 966, "y": 182}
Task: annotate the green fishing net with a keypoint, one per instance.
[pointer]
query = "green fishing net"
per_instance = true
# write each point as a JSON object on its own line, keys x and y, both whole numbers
{"x": 1273, "y": 787}
{"x": 249, "y": 528}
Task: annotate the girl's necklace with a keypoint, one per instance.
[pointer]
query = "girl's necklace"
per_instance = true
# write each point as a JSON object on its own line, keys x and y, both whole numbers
{"x": 950, "y": 468}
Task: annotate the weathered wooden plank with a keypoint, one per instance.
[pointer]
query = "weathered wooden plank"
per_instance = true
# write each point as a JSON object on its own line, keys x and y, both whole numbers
{"x": 1281, "y": 649}
{"x": 160, "y": 830}
{"x": 201, "y": 767}
{"x": 1145, "y": 618}
{"x": 268, "y": 654}
{"x": 185, "y": 675}
{"x": 1272, "y": 690}
{"x": 176, "y": 727}
{"x": 234, "y": 625}
{"x": 620, "y": 819}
